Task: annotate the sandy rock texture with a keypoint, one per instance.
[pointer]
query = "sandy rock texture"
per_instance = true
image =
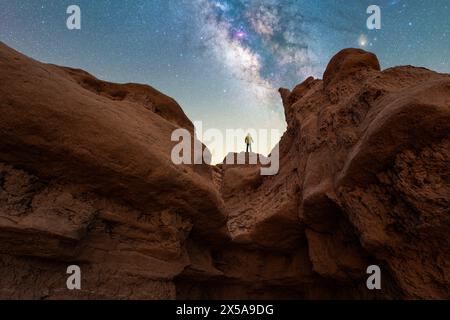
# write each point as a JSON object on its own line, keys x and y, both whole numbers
{"x": 86, "y": 178}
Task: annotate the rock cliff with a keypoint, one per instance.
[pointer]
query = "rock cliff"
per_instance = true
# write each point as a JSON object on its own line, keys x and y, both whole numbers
{"x": 86, "y": 178}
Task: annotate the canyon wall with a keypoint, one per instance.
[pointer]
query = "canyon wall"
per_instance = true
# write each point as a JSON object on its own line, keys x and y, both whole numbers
{"x": 86, "y": 178}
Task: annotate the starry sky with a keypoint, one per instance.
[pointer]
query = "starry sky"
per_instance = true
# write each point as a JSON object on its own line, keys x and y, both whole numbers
{"x": 223, "y": 60}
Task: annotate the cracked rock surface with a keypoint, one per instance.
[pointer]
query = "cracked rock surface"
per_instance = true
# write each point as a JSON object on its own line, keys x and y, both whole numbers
{"x": 86, "y": 178}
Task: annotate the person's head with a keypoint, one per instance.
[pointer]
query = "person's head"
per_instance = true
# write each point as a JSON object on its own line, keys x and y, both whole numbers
{"x": 249, "y": 135}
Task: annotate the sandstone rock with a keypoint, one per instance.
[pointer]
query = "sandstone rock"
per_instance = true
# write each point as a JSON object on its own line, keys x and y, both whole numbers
{"x": 359, "y": 139}
{"x": 86, "y": 178}
{"x": 349, "y": 62}
{"x": 76, "y": 126}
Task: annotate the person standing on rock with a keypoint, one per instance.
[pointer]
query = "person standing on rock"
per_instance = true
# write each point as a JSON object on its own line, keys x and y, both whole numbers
{"x": 248, "y": 142}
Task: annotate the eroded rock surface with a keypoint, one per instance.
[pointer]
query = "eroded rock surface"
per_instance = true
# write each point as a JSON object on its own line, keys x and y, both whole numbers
{"x": 86, "y": 178}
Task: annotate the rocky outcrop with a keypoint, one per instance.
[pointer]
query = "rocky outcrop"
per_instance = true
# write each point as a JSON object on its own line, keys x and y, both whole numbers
{"x": 372, "y": 140}
{"x": 86, "y": 178}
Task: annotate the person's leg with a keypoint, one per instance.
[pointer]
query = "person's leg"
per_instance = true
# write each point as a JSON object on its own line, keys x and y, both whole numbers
{"x": 247, "y": 147}
{"x": 250, "y": 147}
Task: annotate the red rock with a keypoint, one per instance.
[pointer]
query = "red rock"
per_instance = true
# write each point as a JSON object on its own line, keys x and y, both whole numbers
{"x": 86, "y": 178}
{"x": 347, "y": 63}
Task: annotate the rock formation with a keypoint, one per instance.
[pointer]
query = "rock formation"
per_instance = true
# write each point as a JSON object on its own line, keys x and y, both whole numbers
{"x": 86, "y": 178}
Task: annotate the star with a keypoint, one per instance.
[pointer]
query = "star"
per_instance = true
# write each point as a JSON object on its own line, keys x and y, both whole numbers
{"x": 240, "y": 35}
{"x": 241, "y": 50}
{"x": 362, "y": 40}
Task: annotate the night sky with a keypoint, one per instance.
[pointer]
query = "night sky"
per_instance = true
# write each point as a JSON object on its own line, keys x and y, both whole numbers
{"x": 223, "y": 61}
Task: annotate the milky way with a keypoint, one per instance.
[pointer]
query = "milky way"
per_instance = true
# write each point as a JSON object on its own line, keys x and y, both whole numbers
{"x": 275, "y": 33}
{"x": 224, "y": 60}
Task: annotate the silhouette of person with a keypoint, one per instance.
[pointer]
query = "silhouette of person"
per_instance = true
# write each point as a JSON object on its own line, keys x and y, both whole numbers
{"x": 248, "y": 142}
